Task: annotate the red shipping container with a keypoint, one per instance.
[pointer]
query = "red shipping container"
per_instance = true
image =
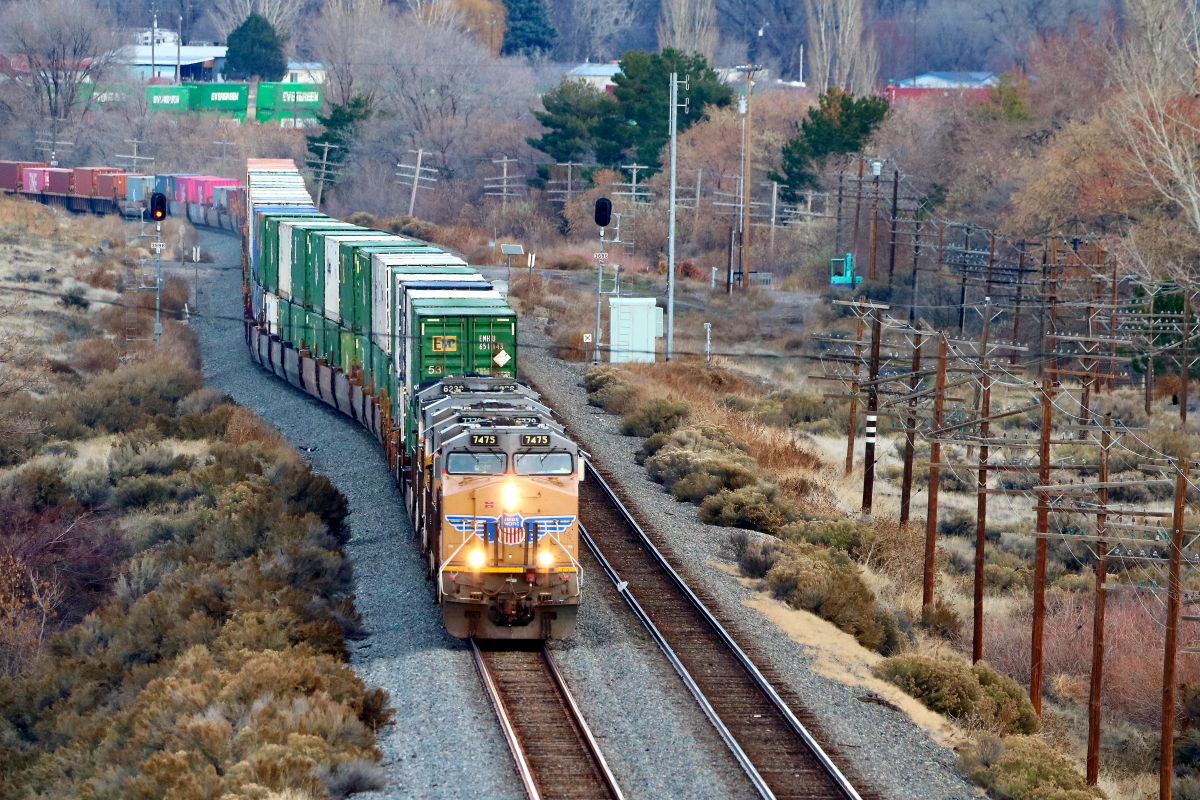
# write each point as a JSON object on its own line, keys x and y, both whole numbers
{"x": 10, "y": 173}
{"x": 85, "y": 179}
{"x": 60, "y": 181}
{"x": 111, "y": 185}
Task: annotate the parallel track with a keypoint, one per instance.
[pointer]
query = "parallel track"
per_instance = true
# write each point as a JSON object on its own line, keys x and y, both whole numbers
{"x": 555, "y": 753}
{"x": 780, "y": 757}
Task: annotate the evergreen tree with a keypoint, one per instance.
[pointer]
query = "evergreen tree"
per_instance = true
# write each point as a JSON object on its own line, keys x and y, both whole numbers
{"x": 341, "y": 126}
{"x": 255, "y": 51}
{"x": 575, "y": 112}
{"x": 632, "y": 123}
{"x": 840, "y": 124}
{"x": 529, "y": 31}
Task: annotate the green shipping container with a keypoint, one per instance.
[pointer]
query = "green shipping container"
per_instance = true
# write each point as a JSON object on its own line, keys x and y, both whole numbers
{"x": 356, "y": 282}
{"x": 268, "y": 246}
{"x": 180, "y": 99}
{"x": 324, "y": 261}
{"x": 289, "y": 97}
{"x": 223, "y": 98}
{"x": 286, "y": 118}
{"x": 293, "y": 252}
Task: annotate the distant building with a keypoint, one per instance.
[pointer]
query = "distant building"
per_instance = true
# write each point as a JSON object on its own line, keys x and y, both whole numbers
{"x": 161, "y": 36}
{"x": 959, "y": 85}
{"x": 598, "y": 76}
{"x": 305, "y": 72}
{"x": 196, "y": 62}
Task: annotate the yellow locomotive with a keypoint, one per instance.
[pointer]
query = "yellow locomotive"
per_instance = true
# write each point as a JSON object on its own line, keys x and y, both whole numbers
{"x": 496, "y": 499}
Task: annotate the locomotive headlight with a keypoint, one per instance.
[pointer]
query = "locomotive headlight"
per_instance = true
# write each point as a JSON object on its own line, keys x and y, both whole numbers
{"x": 476, "y": 558}
{"x": 510, "y": 496}
{"x": 545, "y": 558}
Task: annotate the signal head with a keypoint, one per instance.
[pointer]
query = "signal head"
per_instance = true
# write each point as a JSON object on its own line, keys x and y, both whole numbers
{"x": 158, "y": 206}
{"x": 603, "y": 212}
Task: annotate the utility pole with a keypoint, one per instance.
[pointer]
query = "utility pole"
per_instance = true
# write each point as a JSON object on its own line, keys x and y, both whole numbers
{"x": 852, "y": 428}
{"x": 501, "y": 185}
{"x": 910, "y": 431}
{"x": 1166, "y": 769}
{"x": 674, "y": 135}
{"x": 153, "y": 45}
{"x": 569, "y": 192}
{"x": 985, "y": 412}
{"x": 895, "y": 223}
{"x": 872, "y": 410}
{"x": 747, "y": 147}
{"x": 179, "y": 53}
{"x": 323, "y": 171}
{"x": 133, "y": 158}
{"x": 935, "y": 475}
{"x": 873, "y": 248}
{"x": 1036, "y": 666}
{"x": 414, "y": 175}
{"x": 1097, "y": 676}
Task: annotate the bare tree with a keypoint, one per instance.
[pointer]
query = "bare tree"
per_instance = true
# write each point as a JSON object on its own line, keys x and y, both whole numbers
{"x": 65, "y": 43}
{"x": 347, "y": 40}
{"x": 282, "y": 14}
{"x": 442, "y": 13}
{"x": 689, "y": 25}
{"x": 841, "y": 52}
{"x": 1158, "y": 110}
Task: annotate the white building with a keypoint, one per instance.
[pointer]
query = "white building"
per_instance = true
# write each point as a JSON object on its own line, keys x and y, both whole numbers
{"x": 305, "y": 72}
{"x": 598, "y": 76}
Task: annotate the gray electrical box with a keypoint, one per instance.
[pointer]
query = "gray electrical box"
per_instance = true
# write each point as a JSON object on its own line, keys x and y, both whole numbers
{"x": 634, "y": 324}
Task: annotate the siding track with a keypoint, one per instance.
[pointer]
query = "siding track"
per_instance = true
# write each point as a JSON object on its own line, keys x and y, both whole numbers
{"x": 556, "y": 756}
{"x": 780, "y": 757}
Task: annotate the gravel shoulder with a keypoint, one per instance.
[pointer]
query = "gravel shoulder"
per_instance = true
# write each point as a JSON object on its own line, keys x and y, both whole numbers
{"x": 446, "y": 742}
{"x": 882, "y": 745}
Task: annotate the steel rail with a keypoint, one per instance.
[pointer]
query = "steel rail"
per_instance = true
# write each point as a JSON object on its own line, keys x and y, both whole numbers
{"x": 605, "y": 771}
{"x": 831, "y": 769}
{"x": 524, "y": 772}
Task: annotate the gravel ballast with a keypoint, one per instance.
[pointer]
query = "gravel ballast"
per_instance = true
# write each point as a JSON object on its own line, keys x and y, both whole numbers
{"x": 882, "y": 745}
{"x": 446, "y": 742}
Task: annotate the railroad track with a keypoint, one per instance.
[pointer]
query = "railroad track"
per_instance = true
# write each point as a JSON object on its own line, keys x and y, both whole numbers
{"x": 778, "y": 754}
{"x": 556, "y": 756}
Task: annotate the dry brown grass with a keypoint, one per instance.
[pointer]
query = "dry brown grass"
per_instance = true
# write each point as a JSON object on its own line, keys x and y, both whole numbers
{"x": 785, "y": 454}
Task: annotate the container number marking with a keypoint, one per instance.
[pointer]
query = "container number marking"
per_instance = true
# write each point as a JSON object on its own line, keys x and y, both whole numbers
{"x": 433, "y": 369}
{"x": 484, "y": 439}
{"x": 534, "y": 440}
{"x": 445, "y": 344}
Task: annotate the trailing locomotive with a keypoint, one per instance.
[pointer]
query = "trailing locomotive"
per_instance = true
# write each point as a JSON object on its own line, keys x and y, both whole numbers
{"x": 411, "y": 342}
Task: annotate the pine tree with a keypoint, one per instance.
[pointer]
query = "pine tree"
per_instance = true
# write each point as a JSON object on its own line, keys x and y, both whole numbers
{"x": 529, "y": 31}
{"x": 255, "y": 51}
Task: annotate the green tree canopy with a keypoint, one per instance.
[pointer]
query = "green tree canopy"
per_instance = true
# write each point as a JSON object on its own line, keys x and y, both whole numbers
{"x": 255, "y": 51}
{"x": 632, "y": 123}
{"x": 839, "y": 124}
{"x": 341, "y": 126}
{"x": 575, "y": 114}
{"x": 529, "y": 31}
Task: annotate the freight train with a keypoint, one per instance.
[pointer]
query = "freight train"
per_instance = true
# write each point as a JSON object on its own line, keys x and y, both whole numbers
{"x": 413, "y": 343}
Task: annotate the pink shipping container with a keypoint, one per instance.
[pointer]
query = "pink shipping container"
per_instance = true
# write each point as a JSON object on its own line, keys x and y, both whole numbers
{"x": 35, "y": 179}
{"x": 60, "y": 181}
{"x": 203, "y": 188}
{"x": 10, "y": 173}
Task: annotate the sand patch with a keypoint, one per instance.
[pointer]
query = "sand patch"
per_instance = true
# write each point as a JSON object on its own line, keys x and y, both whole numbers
{"x": 838, "y": 656}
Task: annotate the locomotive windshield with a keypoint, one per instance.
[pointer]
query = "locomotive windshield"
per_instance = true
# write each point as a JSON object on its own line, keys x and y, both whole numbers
{"x": 543, "y": 464}
{"x": 476, "y": 463}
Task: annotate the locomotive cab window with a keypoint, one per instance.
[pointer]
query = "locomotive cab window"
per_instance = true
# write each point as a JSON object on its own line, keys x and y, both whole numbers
{"x": 476, "y": 463}
{"x": 543, "y": 464}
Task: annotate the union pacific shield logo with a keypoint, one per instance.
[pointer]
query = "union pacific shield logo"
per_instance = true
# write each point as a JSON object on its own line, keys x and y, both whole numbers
{"x": 512, "y": 531}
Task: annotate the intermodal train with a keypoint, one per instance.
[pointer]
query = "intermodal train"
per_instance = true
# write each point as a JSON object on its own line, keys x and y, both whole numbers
{"x": 414, "y": 344}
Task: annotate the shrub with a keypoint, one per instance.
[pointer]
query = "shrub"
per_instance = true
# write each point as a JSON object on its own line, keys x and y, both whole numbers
{"x": 756, "y": 559}
{"x": 827, "y": 584}
{"x": 143, "y": 490}
{"x": 944, "y": 685}
{"x": 412, "y": 226}
{"x": 960, "y": 523}
{"x": 1023, "y": 768}
{"x": 841, "y": 534}
{"x": 615, "y": 398}
{"x": 654, "y": 416}
{"x": 597, "y": 378}
{"x": 941, "y": 620}
{"x": 1003, "y": 706}
{"x": 893, "y": 640}
{"x": 758, "y": 508}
